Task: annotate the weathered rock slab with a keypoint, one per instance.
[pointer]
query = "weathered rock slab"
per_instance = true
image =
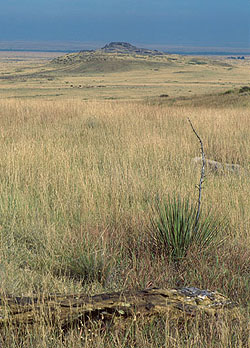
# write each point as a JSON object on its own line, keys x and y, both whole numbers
{"x": 216, "y": 166}
{"x": 66, "y": 310}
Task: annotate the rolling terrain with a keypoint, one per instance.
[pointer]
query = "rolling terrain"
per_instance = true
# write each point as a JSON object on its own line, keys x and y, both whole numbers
{"x": 120, "y": 71}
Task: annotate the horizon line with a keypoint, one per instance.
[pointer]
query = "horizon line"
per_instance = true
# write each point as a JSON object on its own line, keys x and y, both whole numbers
{"x": 65, "y": 46}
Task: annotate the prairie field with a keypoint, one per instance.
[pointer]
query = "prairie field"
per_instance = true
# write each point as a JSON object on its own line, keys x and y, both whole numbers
{"x": 34, "y": 75}
{"x": 79, "y": 180}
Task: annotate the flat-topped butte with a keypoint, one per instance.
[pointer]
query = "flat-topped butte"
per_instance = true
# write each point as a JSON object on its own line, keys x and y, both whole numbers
{"x": 127, "y": 48}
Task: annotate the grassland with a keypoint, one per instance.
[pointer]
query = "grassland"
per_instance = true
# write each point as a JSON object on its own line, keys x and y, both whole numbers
{"x": 112, "y": 77}
{"x": 78, "y": 180}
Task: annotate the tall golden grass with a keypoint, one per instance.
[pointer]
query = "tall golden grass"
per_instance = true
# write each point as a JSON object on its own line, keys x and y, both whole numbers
{"x": 80, "y": 177}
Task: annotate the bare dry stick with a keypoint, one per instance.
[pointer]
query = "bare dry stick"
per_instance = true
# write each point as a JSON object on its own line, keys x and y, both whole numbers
{"x": 202, "y": 173}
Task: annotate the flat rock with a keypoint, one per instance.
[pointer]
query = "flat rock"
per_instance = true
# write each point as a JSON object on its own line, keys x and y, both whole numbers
{"x": 216, "y": 166}
{"x": 66, "y": 310}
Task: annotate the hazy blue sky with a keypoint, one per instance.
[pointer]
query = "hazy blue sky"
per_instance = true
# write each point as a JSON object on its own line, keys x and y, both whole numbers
{"x": 180, "y": 22}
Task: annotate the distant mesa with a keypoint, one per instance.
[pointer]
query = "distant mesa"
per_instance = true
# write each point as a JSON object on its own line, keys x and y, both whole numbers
{"x": 113, "y": 57}
{"x": 127, "y": 48}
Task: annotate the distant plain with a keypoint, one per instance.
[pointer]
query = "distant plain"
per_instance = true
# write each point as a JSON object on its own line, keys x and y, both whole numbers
{"x": 113, "y": 77}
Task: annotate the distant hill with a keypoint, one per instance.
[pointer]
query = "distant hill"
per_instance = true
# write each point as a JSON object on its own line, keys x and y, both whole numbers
{"x": 121, "y": 57}
{"x": 113, "y": 57}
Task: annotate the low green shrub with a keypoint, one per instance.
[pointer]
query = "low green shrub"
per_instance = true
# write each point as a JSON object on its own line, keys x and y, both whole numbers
{"x": 244, "y": 89}
{"x": 229, "y": 91}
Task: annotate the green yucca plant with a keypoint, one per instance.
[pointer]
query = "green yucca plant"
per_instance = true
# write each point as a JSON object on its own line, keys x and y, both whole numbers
{"x": 179, "y": 225}
{"x": 175, "y": 228}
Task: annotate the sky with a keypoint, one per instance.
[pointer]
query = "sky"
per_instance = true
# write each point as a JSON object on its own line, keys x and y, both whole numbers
{"x": 206, "y": 23}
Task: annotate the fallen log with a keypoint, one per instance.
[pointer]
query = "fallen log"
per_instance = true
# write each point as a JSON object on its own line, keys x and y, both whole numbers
{"x": 68, "y": 310}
